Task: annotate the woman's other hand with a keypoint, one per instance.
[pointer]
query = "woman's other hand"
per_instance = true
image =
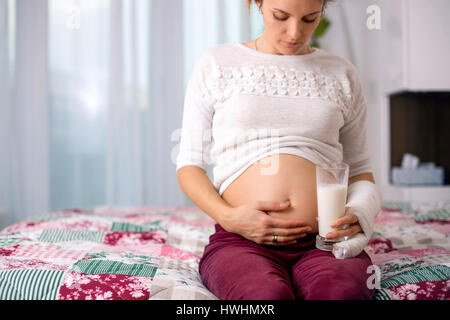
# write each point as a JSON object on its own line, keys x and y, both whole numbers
{"x": 253, "y": 223}
{"x": 347, "y": 226}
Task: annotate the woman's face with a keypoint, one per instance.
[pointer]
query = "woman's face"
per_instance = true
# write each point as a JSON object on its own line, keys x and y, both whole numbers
{"x": 289, "y": 24}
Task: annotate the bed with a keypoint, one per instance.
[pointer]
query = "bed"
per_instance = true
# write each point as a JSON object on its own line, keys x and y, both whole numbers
{"x": 153, "y": 253}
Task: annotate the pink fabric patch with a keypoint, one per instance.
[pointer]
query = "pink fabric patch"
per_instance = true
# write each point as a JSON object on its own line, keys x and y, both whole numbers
{"x": 8, "y": 251}
{"x": 10, "y": 263}
{"x": 380, "y": 245}
{"x": 390, "y": 210}
{"x": 419, "y": 253}
{"x": 440, "y": 227}
{"x": 426, "y": 290}
{"x": 387, "y": 218}
{"x": 49, "y": 252}
{"x": 126, "y": 238}
{"x": 60, "y": 224}
{"x": 24, "y": 226}
{"x": 174, "y": 253}
{"x": 148, "y": 249}
{"x": 80, "y": 286}
{"x": 82, "y": 224}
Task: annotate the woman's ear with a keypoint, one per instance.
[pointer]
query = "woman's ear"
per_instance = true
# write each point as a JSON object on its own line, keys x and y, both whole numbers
{"x": 259, "y": 4}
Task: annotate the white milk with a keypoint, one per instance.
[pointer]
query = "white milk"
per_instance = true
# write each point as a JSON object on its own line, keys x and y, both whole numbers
{"x": 331, "y": 200}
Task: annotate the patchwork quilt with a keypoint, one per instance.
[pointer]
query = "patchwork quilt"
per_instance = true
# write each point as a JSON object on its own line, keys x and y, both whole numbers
{"x": 153, "y": 253}
{"x": 411, "y": 247}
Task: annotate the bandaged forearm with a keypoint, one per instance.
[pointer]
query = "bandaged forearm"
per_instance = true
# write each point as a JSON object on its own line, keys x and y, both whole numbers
{"x": 364, "y": 201}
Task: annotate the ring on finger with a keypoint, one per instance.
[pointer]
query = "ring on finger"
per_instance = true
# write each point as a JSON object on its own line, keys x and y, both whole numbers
{"x": 274, "y": 238}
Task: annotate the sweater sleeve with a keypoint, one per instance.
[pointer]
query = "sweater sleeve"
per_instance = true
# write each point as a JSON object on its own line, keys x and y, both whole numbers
{"x": 195, "y": 141}
{"x": 353, "y": 134}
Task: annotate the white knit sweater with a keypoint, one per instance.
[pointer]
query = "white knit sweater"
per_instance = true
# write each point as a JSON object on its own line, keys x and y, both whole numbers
{"x": 242, "y": 105}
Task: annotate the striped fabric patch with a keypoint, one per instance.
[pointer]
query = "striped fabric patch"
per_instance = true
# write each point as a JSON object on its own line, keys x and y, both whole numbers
{"x": 119, "y": 226}
{"x": 30, "y": 284}
{"x": 45, "y": 217}
{"x": 114, "y": 267}
{"x": 441, "y": 214}
{"x": 5, "y": 242}
{"x": 430, "y": 273}
{"x": 381, "y": 294}
{"x": 56, "y": 235}
{"x": 397, "y": 205}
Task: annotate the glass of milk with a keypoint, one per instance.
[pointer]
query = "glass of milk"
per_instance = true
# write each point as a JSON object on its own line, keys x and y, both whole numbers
{"x": 331, "y": 183}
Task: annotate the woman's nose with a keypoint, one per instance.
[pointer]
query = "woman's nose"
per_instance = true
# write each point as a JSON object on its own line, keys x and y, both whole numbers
{"x": 294, "y": 31}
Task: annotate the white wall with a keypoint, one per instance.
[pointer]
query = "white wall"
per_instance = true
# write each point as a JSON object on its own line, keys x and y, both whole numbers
{"x": 428, "y": 42}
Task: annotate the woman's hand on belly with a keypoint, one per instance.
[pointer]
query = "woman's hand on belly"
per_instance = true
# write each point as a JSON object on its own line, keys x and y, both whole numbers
{"x": 295, "y": 213}
{"x": 253, "y": 223}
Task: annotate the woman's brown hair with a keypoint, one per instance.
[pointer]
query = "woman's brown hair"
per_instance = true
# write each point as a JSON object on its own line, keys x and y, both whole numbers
{"x": 249, "y": 3}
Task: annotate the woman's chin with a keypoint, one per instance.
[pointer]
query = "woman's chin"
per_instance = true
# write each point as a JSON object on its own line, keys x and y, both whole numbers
{"x": 286, "y": 50}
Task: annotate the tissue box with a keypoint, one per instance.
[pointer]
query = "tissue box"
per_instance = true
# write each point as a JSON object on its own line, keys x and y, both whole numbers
{"x": 418, "y": 176}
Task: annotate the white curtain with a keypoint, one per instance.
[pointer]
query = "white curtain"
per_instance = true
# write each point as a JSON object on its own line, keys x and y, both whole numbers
{"x": 24, "y": 138}
{"x": 92, "y": 98}
{"x": 5, "y": 116}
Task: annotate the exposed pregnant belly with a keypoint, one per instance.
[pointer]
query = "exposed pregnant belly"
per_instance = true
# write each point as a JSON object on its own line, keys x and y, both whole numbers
{"x": 293, "y": 180}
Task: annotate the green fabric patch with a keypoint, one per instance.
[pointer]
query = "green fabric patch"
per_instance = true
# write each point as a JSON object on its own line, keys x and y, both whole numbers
{"x": 56, "y": 235}
{"x": 30, "y": 284}
{"x": 381, "y": 294}
{"x": 93, "y": 266}
{"x": 397, "y": 205}
{"x": 441, "y": 214}
{"x": 6, "y": 242}
{"x": 153, "y": 226}
{"x": 429, "y": 273}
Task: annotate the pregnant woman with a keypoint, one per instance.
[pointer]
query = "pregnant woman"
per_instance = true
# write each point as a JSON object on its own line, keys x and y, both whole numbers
{"x": 264, "y": 113}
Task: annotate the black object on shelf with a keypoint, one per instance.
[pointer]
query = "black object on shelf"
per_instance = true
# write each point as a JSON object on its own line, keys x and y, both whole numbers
{"x": 420, "y": 124}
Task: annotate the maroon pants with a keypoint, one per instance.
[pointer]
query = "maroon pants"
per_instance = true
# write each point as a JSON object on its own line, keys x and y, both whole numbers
{"x": 234, "y": 268}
